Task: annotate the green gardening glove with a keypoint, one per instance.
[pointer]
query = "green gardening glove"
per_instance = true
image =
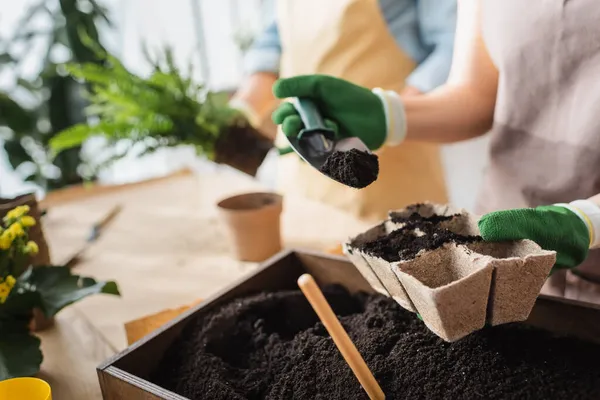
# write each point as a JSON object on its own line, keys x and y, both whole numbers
{"x": 348, "y": 109}
{"x": 552, "y": 227}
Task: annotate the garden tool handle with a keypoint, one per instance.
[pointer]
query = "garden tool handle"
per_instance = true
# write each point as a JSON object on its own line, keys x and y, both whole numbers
{"x": 315, "y": 134}
{"x": 340, "y": 337}
{"x": 309, "y": 113}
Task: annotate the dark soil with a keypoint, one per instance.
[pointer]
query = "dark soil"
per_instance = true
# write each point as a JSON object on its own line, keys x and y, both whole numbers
{"x": 415, "y": 217}
{"x": 271, "y": 347}
{"x": 354, "y": 168}
{"x": 242, "y": 148}
{"x": 406, "y": 242}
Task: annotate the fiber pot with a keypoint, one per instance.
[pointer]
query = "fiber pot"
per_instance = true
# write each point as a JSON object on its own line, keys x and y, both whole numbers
{"x": 253, "y": 222}
{"x": 377, "y": 271}
{"x": 520, "y": 270}
{"x": 431, "y": 259}
{"x": 449, "y": 289}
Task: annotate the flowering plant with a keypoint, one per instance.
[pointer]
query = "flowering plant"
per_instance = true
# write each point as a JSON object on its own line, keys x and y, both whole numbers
{"x": 24, "y": 288}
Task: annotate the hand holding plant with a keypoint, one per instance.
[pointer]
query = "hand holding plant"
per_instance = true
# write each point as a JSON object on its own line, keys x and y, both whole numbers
{"x": 165, "y": 109}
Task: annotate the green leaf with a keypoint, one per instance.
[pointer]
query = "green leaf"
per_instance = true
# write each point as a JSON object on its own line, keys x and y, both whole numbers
{"x": 71, "y": 137}
{"x": 59, "y": 288}
{"x": 20, "y": 353}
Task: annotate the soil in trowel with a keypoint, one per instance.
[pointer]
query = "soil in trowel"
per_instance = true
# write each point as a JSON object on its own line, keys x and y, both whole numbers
{"x": 272, "y": 346}
{"x": 354, "y": 168}
{"x": 418, "y": 234}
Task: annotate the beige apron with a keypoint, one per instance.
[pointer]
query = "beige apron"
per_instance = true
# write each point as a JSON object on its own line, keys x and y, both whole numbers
{"x": 545, "y": 144}
{"x": 350, "y": 39}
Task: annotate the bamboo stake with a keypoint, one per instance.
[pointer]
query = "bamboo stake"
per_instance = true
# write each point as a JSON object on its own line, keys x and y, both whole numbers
{"x": 340, "y": 337}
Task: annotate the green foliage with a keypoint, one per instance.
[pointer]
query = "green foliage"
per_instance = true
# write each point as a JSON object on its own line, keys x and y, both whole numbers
{"x": 53, "y": 103}
{"x": 49, "y": 289}
{"x": 20, "y": 353}
{"x": 24, "y": 288}
{"x": 165, "y": 109}
{"x": 58, "y": 287}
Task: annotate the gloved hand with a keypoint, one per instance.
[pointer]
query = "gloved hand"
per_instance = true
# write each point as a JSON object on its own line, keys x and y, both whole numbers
{"x": 552, "y": 227}
{"x": 350, "y": 110}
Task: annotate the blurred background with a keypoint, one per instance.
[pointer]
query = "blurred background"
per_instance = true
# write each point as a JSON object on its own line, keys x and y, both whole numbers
{"x": 38, "y": 98}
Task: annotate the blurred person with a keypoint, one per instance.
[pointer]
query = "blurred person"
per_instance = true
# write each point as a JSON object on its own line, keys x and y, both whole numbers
{"x": 401, "y": 45}
{"x": 527, "y": 73}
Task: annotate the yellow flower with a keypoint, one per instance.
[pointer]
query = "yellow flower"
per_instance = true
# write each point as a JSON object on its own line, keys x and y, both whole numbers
{"x": 17, "y": 212}
{"x": 16, "y": 229}
{"x": 27, "y": 221}
{"x": 32, "y": 248}
{"x": 6, "y": 287}
{"x": 11, "y": 281}
{"x": 6, "y": 240}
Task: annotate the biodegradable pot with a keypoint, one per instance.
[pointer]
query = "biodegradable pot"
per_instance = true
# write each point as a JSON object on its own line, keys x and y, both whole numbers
{"x": 375, "y": 270}
{"x": 253, "y": 222}
{"x": 520, "y": 270}
{"x": 456, "y": 288}
{"x": 449, "y": 288}
{"x": 243, "y": 148}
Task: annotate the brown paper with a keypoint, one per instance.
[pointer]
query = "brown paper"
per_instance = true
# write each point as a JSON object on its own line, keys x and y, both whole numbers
{"x": 139, "y": 328}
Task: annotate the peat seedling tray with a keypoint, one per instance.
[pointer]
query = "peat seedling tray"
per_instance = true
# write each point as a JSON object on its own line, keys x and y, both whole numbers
{"x": 124, "y": 376}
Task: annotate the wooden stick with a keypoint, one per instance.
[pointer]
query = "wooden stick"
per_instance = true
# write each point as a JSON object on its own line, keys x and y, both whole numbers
{"x": 340, "y": 337}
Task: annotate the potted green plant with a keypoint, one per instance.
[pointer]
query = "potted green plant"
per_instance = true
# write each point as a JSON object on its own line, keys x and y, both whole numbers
{"x": 24, "y": 289}
{"x": 164, "y": 109}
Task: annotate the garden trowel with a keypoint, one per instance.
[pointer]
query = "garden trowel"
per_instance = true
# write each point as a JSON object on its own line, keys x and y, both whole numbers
{"x": 316, "y": 141}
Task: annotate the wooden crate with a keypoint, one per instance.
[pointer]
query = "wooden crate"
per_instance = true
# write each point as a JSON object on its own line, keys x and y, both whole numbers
{"x": 124, "y": 375}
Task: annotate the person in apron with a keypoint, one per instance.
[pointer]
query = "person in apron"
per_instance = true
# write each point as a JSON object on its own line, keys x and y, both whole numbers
{"x": 527, "y": 73}
{"x": 352, "y": 39}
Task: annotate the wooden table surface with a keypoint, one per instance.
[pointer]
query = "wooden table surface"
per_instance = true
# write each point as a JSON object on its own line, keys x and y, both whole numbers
{"x": 165, "y": 249}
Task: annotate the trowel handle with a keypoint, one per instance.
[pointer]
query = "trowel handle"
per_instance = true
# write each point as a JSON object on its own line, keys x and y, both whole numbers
{"x": 309, "y": 113}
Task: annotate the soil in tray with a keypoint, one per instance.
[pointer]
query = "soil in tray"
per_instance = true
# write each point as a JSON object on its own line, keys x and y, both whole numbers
{"x": 271, "y": 346}
{"x": 354, "y": 168}
{"x": 243, "y": 148}
{"x": 418, "y": 234}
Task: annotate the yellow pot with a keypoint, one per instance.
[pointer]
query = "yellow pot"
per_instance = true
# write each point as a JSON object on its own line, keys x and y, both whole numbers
{"x": 25, "y": 389}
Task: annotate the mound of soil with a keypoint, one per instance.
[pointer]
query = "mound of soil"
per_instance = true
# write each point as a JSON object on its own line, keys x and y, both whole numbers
{"x": 271, "y": 346}
{"x": 354, "y": 168}
{"x": 418, "y": 234}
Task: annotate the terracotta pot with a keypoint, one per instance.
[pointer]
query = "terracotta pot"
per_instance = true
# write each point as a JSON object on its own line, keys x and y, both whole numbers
{"x": 253, "y": 224}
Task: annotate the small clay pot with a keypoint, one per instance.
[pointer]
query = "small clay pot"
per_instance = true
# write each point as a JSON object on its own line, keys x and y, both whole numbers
{"x": 253, "y": 222}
